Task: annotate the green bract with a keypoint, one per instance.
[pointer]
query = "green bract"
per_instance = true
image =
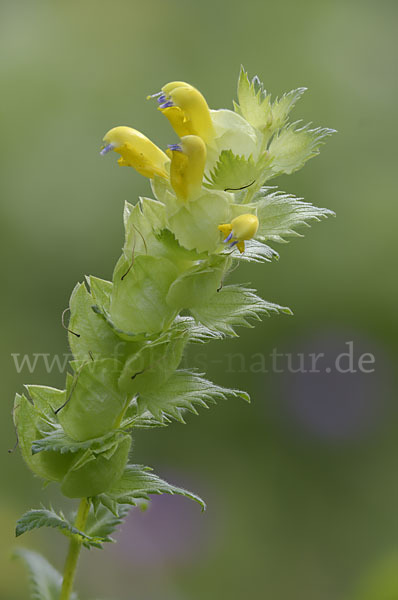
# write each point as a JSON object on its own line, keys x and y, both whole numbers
{"x": 212, "y": 209}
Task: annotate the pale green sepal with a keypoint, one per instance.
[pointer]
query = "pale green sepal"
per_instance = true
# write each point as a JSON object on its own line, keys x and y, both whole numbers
{"x": 233, "y": 133}
{"x": 29, "y": 423}
{"x": 197, "y": 285}
{"x": 238, "y": 209}
{"x": 164, "y": 193}
{"x": 138, "y": 483}
{"x": 94, "y": 401}
{"x": 101, "y": 291}
{"x": 142, "y": 222}
{"x": 152, "y": 213}
{"x": 97, "y": 472}
{"x": 45, "y": 581}
{"x": 134, "y": 419}
{"x": 161, "y": 189}
{"x": 134, "y": 339}
{"x": 46, "y": 399}
{"x": 139, "y": 292}
{"x": 280, "y": 214}
{"x": 235, "y": 306}
{"x": 184, "y": 391}
{"x": 195, "y": 225}
{"x": 89, "y": 335}
{"x": 169, "y": 248}
{"x": 293, "y": 146}
{"x": 153, "y": 364}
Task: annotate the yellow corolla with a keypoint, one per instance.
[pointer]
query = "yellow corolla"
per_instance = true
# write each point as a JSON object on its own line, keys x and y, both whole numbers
{"x": 186, "y": 109}
{"x": 187, "y": 166}
{"x": 136, "y": 151}
{"x": 240, "y": 229}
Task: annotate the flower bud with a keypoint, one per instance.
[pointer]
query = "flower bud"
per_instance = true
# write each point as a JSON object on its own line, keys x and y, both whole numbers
{"x": 240, "y": 229}
{"x": 186, "y": 109}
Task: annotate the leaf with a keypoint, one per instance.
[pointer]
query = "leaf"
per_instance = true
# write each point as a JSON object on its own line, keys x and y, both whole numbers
{"x": 233, "y": 172}
{"x": 279, "y": 214}
{"x": 254, "y": 102}
{"x": 256, "y": 252}
{"x": 102, "y": 522}
{"x": 282, "y": 106}
{"x": 292, "y": 147}
{"x": 185, "y": 390}
{"x": 197, "y": 332}
{"x": 45, "y": 581}
{"x": 37, "y": 518}
{"x": 235, "y": 305}
{"x": 42, "y": 517}
{"x": 138, "y": 483}
{"x": 59, "y": 441}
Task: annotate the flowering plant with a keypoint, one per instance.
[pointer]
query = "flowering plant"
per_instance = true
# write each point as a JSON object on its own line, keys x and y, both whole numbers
{"x": 212, "y": 209}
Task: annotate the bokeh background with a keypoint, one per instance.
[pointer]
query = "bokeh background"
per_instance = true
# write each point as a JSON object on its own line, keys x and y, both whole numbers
{"x": 302, "y": 485}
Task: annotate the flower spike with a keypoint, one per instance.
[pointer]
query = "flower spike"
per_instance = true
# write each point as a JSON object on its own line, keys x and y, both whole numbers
{"x": 128, "y": 335}
{"x": 187, "y": 166}
{"x": 136, "y": 151}
{"x": 240, "y": 229}
{"x": 186, "y": 109}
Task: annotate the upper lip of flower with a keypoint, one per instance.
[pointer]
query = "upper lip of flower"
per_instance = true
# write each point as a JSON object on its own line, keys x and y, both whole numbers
{"x": 136, "y": 150}
{"x": 186, "y": 109}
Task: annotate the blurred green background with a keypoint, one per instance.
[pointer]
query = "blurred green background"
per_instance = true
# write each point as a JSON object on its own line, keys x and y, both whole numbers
{"x": 301, "y": 485}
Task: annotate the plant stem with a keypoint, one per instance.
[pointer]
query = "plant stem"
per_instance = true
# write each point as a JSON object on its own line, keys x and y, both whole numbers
{"x": 74, "y": 551}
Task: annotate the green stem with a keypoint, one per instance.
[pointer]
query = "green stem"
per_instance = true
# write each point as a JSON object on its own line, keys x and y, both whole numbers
{"x": 74, "y": 551}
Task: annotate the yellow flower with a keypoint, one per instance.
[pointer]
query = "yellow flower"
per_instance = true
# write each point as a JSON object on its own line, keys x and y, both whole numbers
{"x": 188, "y": 160}
{"x": 186, "y": 109}
{"x": 240, "y": 229}
{"x": 136, "y": 151}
